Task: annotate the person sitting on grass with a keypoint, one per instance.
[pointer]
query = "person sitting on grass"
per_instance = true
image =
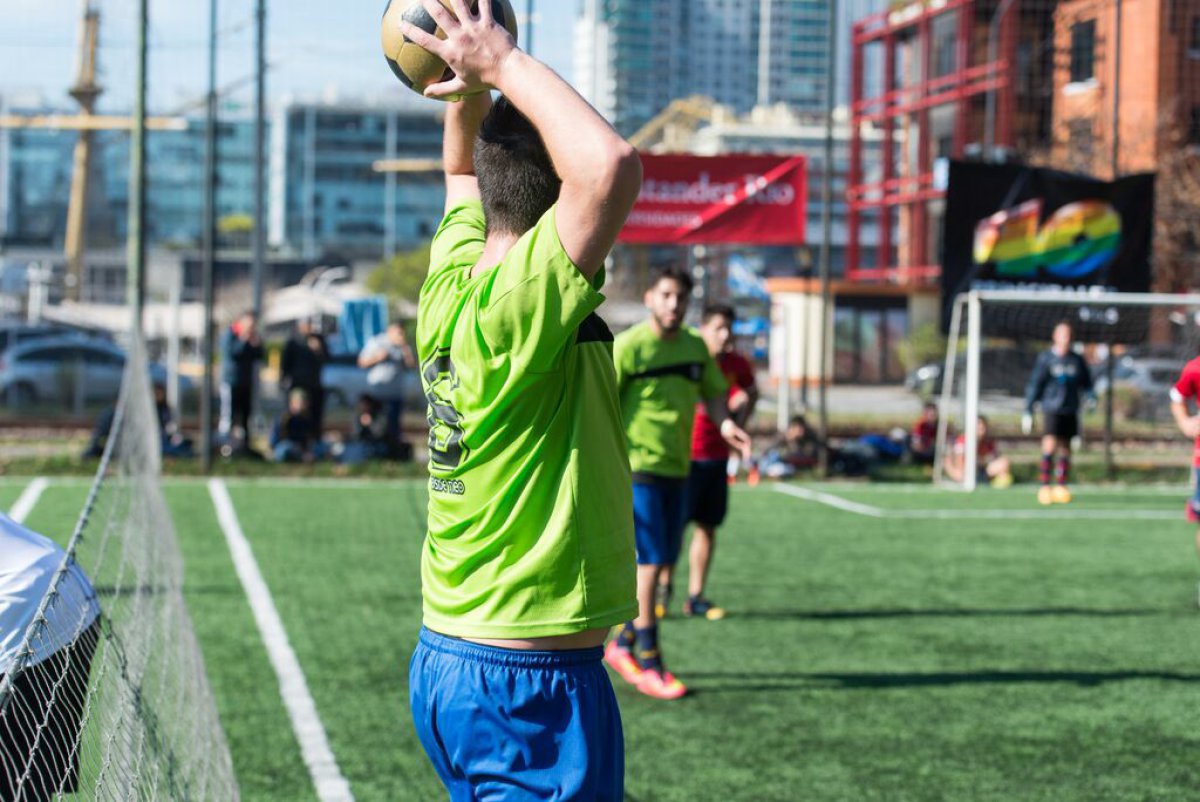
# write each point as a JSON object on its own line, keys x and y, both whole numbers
{"x": 174, "y": 444}
{"x": 922, "y": 441}
{"x": 369, "y": 440}
{"x": 294, "y": 437}
{"x": 991, "y": 467}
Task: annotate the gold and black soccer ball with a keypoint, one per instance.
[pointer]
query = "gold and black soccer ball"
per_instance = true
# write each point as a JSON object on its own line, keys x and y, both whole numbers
{"x": 415, "y": 66}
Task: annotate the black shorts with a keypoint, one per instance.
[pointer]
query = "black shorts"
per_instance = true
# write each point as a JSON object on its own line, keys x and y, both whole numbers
{"x": 53, "y": 766}
{"x": 1064, "y": 426}
{"x": 708, "y": 492}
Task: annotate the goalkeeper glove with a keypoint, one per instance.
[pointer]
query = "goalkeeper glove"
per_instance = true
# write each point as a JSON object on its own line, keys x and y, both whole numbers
{"x": 1026, "y": 423}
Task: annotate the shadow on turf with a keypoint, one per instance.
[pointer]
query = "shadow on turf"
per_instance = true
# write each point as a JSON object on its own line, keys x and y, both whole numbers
{"x": 789, "y": 681}
{"x": 858, "y": 615}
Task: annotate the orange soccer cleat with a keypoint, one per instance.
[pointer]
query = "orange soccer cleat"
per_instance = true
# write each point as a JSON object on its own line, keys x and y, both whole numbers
{"x": 622, "y": 661}
{"x": 660, "y": 684}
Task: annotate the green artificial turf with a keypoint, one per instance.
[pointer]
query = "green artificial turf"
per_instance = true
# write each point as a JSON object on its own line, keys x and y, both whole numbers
{"x": 864, "y": 657}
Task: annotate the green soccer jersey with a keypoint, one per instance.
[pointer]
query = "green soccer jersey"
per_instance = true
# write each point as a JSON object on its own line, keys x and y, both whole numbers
{"x": 660, "y": 382}
{"x": 530, "y": 531}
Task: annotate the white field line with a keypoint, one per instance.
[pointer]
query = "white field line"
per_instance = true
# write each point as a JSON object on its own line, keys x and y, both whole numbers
{"x": 28, "y": 499}
{"x": 830, "y": 500}
{"x": 1078, "y": 490}
{"x": 330, "y": 784}
{"x": 1061, "y": 513}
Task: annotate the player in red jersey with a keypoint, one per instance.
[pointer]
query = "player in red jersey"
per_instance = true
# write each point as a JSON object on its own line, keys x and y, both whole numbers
{"x": 1185, "y": 390}
{"x": 708, "y": 486}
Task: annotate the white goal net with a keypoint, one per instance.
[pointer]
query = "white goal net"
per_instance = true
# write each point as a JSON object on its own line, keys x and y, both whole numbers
{"x": 1135, "y": 345}
{"x": 106, "y": 696}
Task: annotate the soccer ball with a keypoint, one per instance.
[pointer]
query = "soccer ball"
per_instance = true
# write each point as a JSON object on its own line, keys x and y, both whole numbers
{"x": 415, "y": 66}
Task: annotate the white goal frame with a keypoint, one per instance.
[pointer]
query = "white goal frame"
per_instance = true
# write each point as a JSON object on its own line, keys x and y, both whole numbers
{"x": 971, "y": 305}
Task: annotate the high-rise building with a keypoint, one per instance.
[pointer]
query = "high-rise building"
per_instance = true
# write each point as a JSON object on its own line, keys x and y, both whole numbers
{"x": 632, "y": 58}
{"x": 325, "y": 195}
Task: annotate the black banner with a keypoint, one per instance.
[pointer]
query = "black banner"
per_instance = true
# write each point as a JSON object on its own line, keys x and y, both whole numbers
{"x": 1014, "y": 227}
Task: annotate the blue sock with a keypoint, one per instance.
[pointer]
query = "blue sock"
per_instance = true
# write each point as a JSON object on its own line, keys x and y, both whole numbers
{"x": 647, "y": 648}
{"x": 627, "y": 636}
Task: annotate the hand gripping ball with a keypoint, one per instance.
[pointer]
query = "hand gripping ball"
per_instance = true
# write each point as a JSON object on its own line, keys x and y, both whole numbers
{"x": 415, "y": 66}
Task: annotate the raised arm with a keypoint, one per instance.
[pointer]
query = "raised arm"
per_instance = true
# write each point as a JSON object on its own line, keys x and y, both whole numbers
{"x": 458, "y": 145}
{"x": 600, "y": 171}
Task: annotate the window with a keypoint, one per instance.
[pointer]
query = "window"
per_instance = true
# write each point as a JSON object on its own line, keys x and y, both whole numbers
{"x": 1083, "y": 51}
{"x": 1194, "y": 126}
{"x": 1194, "y": 43}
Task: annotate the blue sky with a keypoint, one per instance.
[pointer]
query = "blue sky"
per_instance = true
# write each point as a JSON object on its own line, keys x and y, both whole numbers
{"x": 317, "y": 48}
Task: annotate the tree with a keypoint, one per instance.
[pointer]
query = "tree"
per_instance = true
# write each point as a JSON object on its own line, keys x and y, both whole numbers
{"x": 401, "y": 276}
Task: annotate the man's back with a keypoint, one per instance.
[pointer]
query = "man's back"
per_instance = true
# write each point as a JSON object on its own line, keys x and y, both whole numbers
{"x": 529, "y": 530}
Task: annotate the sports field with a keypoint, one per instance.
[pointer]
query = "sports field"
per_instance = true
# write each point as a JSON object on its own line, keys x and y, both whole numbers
{"x": 890, "y": 642}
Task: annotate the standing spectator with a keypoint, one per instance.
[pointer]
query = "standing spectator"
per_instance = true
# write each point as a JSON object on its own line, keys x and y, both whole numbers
{"x": 1059, "y": 380}
{"x": 294, "y": 437}
{"x": 241, "y": 351}
{"x": 712, "y": 468}
{"x": 300, "y": 369}
{"x": 922, "y": 441}
{"x": 39, "y": 733}
{"x": 386, "y": 357}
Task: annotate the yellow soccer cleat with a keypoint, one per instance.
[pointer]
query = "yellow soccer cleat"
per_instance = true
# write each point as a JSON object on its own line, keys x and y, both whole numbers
{"x": 1061, "y": 495}
{"x": 1002, "y": 481}
{"x": 1045, "y": 495}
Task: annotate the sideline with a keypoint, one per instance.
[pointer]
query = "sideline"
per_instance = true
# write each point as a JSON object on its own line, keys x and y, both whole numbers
{"x": 1061, "y": 513}
{"x": 327, "y": 777}
{"x": 28, "y": 499}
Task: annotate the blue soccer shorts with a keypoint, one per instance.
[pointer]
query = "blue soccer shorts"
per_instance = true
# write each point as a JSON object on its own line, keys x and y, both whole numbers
{"x": 660, "y": 510}
{"x": 509, "y": 725}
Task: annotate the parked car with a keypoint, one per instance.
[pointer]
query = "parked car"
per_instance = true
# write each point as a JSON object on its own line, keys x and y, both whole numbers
{"x": 15, "y": 332}
{"x": 62, "y": 368}
{"x": 1002, "y": 370}
{"x": 1151, "y": 379}
{"x": 344, "y": 381}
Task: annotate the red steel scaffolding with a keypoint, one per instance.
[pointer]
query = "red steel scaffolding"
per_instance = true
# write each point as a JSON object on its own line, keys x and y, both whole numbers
{"x": 903, "y": 186}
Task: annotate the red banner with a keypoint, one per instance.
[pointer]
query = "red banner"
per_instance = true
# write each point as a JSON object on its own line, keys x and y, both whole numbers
{"x": 692, "y": 200}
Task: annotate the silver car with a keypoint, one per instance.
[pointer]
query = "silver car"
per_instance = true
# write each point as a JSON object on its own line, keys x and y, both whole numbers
{"x": 64, "y": 369}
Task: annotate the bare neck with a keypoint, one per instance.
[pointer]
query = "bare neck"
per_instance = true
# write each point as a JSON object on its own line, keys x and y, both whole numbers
{"x": 495, "y": 248}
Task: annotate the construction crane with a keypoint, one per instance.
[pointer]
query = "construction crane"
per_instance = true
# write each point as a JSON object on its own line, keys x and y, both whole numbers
{"x": 85, "y": 92}
{"x": 670, "y": 129}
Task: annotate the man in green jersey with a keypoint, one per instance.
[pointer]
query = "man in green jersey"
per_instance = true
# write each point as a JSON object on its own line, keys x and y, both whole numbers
{"x": 529, "y": 556}
{"x": 663, "y": 371}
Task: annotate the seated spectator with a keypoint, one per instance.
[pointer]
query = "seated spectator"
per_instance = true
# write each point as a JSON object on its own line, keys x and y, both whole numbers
{"x": 990, "y": 465}
{"x": 39, "y": 744}
{"x": 798, "y": 449}
{"x": 174, "y": 444}
{"x": 922, "y": 442}
{"x": 294, "y": 436}
{"x": 369, "y": 440}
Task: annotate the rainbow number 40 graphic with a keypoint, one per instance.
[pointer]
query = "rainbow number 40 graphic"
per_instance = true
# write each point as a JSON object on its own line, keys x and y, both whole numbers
{"x": 1078, "y": 240}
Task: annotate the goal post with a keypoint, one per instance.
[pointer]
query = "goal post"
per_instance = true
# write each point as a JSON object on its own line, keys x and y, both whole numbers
{"x": 1135, "y": 343}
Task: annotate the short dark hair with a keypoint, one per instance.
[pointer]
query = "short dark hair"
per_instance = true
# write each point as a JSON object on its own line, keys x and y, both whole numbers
{"x": 674, "y": 273}
{"x": 517, "y": 182}
{"x": 798, "y": 420}
{"x": 718, "y": 310}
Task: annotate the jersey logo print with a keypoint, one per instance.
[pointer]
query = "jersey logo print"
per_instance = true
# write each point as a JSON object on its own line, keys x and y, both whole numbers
{"x": 446, "y": 448}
